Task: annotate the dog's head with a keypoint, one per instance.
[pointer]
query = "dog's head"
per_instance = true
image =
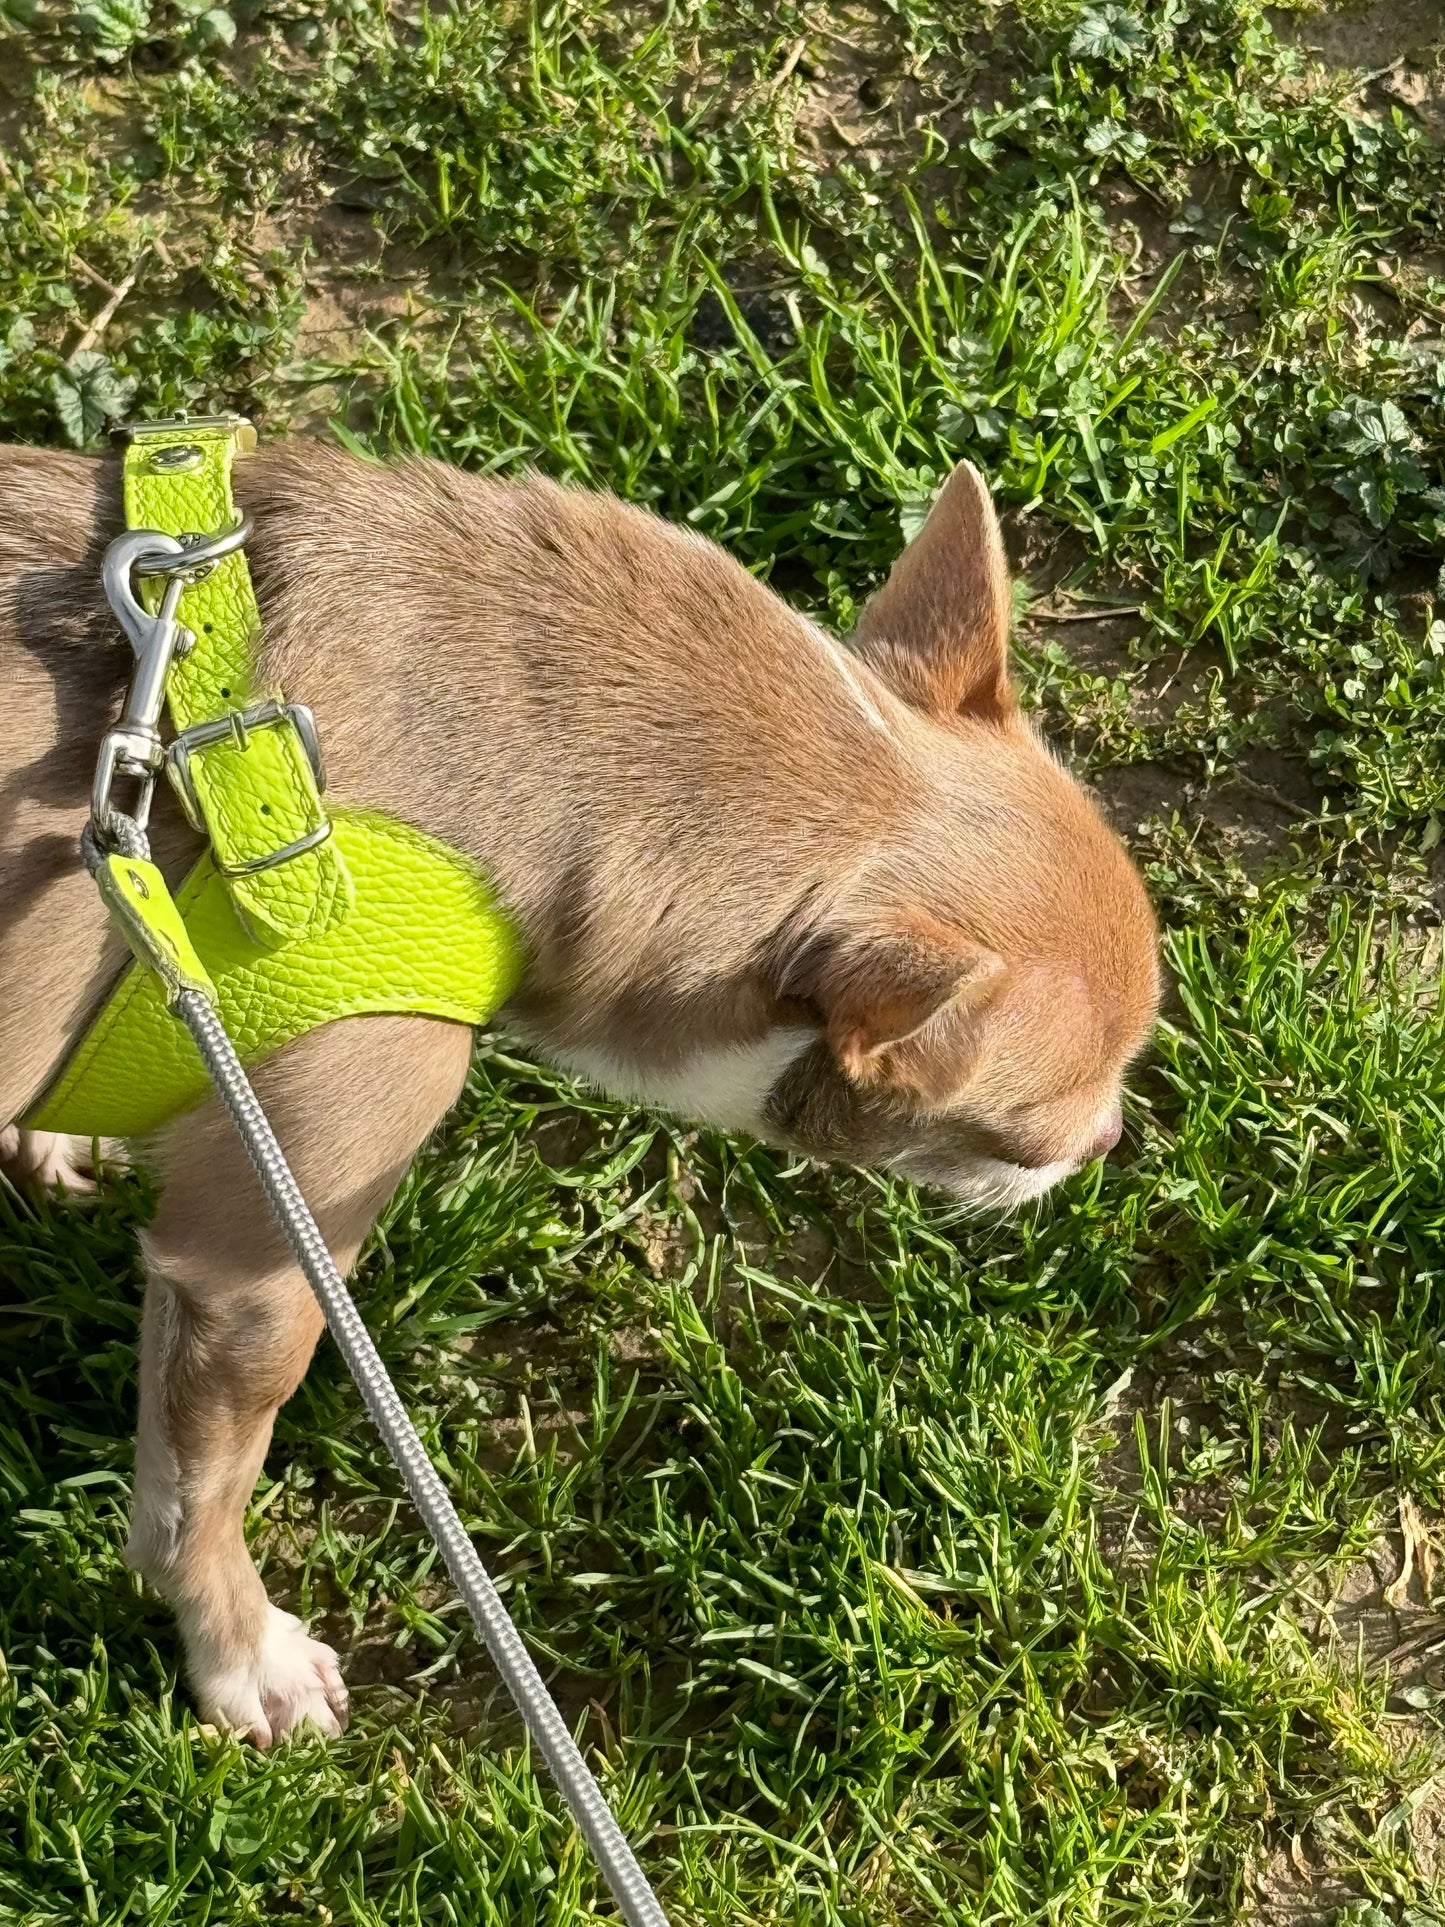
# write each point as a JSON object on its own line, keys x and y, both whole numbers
{"x": 981, "y": 988}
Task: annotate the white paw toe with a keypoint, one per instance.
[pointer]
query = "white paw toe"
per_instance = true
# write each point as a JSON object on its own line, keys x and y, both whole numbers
{"x": 47, "y": 1160}
{"x": 291, "y": 1679}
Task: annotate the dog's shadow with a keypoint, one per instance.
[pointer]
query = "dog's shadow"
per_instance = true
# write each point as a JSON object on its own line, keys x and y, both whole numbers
{"x": 70, "y": 1295}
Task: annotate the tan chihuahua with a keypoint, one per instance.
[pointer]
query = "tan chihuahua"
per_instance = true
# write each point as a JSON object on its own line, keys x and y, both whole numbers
{"x": 842, "y": 898}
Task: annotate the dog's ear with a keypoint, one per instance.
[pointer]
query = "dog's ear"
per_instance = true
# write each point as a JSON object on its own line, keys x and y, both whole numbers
{"x": 902, "y": 1003}
{"x": 937, "y": 631}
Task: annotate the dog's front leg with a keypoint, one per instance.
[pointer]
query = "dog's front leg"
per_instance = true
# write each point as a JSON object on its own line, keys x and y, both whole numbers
{"x": 229, "y": 1328}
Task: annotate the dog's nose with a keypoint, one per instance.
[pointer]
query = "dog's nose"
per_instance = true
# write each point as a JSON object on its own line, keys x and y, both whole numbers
{"x": 1110, "y": 1131}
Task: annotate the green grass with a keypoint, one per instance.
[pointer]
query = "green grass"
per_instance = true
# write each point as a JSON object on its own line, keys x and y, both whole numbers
{"x": 894, "y": 1569}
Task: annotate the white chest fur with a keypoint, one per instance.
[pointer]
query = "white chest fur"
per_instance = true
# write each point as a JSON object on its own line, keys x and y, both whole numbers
{"x": 726, "y": 1088}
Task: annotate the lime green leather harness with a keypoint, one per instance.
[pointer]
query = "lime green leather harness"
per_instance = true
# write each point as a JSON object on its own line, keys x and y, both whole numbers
{"x": 300, "y": 914}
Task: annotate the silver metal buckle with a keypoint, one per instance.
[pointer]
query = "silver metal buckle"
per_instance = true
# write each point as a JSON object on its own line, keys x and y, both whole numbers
{"x": 176, "y": 424}
{"x": 238, "y": 725}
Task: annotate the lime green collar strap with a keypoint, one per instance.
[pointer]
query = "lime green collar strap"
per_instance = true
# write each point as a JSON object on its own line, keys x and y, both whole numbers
{"x": 300, "y": 913}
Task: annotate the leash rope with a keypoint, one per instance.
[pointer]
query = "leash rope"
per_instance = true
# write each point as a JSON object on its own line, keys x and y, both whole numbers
{"x": 429, "y": 1495}
{"x": 116, "y": 851}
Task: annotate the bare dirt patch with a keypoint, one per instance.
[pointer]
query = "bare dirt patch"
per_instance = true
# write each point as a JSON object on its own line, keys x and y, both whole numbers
{"x": 1295, "y": 1889}
{"x": 1253, "y": 812}
{"x": 1386, "y": 1611}
{"x": 1397, "y": 50}
{"x": 857, "y": 96}
{"x": 1249, "y": 809}
{"x": 1366, "y": 37}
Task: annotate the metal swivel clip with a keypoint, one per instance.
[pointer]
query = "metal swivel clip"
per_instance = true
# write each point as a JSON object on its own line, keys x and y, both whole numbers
{"x": 133, "y": 748}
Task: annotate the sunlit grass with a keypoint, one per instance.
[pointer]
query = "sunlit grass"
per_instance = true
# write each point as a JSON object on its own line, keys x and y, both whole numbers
{"x": 893, "y": 1569}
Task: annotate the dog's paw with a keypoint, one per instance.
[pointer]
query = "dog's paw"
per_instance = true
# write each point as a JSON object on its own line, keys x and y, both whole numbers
{"x": 47, "y": 1160}
{"x": 292, "y": 1679}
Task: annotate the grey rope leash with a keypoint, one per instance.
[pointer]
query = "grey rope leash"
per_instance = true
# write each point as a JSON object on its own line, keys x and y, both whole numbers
{"x": 609, "y": 1845}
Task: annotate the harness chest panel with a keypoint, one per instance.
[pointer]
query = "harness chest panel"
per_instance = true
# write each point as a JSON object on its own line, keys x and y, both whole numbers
{"x": 424, "y": 935}
{"x": 300, "y": 917}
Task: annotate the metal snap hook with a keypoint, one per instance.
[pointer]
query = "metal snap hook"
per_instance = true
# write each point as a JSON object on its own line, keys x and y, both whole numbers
{"x": 121, "y": 562}
{"x": 133, "y": 748}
